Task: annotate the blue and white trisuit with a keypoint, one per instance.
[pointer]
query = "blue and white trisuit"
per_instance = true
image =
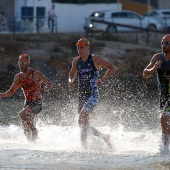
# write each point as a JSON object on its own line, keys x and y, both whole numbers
{"x": 88, "y": 91}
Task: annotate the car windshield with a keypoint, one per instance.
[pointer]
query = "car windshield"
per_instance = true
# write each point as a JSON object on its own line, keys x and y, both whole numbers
{"x": 124, "y": 15}
{"x": 166, "y": 13}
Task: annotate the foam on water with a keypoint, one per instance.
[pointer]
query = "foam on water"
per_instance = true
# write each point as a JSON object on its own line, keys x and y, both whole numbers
{"x": 61, "y": 145}
{"x": 58, "y": 147}
{"x": 52, "y": 137}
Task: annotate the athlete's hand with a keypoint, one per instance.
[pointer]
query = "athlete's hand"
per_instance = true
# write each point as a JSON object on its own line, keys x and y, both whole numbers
{"x": 71, "y": 86}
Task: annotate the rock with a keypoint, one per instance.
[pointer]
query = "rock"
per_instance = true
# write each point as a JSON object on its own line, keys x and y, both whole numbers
{"x": 45, "y": 69}
{"x": 3, "y": 67}
{"x": 38, "y": 54}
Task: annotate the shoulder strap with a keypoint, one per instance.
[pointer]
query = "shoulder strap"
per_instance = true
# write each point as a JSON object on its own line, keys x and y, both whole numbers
{"x": 161, "y": 57}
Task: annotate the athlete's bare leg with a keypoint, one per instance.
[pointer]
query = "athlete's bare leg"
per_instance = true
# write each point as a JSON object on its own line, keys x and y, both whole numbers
{"x": 105, "y": 137}
{"x": 30, "y": 130}
{"x": 84, "y": 127}
{"x": 27, "y": 130}
{"x": 83, "y": 124}
{"x": 165, "y": 123}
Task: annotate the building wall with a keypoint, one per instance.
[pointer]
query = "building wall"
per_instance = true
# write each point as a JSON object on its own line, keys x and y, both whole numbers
{"x": 164, "y": 4}
{"x": 153, "y": 3}
{"x": 140, "y": 8}
{"x": 7, "y": 6}
{"x": 70, "y": 17}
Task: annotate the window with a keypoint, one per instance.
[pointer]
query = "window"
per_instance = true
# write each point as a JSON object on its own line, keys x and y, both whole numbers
{"x": 115, "y": 15}
{"x": 27, "y": 13}
{"x": 166, "y": 13}
{"x": 131, "y": 15}
{"x": 40, "y": 12}
{"x": 154, "y": 14}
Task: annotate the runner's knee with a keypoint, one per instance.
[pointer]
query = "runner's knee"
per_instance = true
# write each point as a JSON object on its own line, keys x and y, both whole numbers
{"x": 25, "y": 114}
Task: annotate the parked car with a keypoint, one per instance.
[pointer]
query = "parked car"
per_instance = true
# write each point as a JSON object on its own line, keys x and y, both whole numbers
{"x": 120, "y": 17}
{"x": 161, "y": 15}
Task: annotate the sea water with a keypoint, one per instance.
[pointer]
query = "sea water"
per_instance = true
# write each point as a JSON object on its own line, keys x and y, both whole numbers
{"x": 135, "y": 135}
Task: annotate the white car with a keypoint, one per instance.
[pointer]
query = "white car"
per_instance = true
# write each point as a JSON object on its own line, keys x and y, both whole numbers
{"x": 119, "y": 17}
{"x": 161, "y": 15}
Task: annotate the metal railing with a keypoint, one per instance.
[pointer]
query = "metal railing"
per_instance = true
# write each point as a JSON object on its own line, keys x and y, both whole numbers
{"x": 134, "y": 29}
{"x": 26, "y": 25}
{"x": 114, "y": 24}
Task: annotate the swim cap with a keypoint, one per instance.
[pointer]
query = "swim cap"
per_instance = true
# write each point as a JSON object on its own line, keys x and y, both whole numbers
{"x": 82, "y": 42}
{"x": 24, "y": 58}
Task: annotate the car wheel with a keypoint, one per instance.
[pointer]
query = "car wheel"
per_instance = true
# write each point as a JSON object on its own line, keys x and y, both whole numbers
{"x": 152, "y": 26}
{"x": 111, "y": 29}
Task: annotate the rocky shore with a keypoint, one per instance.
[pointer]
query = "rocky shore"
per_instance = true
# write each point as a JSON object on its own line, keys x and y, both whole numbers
{"x": 53, "y": 53}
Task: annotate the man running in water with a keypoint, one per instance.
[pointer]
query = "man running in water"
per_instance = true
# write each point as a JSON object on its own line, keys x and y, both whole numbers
{"x": 87, "y": 66}
{"x": 30, "y": 81}
{"x": 160, "y": 62}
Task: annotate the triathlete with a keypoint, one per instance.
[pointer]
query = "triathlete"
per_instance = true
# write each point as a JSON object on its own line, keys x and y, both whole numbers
{"x": 160, "y": 63}
{"x": 30, "y": 81}
{"x": 87, "y": 67}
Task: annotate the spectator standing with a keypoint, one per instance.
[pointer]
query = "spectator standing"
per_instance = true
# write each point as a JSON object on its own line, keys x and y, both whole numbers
{"x": 51, "y": 18}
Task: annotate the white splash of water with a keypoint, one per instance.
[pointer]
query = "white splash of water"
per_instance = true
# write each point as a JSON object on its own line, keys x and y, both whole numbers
{"x": 52, "y": 137}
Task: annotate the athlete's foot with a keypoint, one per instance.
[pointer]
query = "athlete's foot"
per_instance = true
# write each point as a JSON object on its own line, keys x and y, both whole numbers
{"x": 107, "y": 139}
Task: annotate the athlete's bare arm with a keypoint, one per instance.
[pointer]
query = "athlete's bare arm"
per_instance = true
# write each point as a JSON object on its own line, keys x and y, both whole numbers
{"x": 152, "y": 66}
{"x": 101, "y": 62}
{"x": 15, "y": 85}
{"x": 73, "y": 74}
{"x": 41, "y": 78}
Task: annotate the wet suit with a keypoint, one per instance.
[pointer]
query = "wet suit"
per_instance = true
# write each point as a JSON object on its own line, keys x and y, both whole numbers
{"x": 163, "y": 82}
{"x": 88, "y": 95}
{"x": 88, "y": 92}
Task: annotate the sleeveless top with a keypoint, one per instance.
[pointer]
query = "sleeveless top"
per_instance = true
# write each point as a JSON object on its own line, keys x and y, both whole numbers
{"x": 87, "y": 76}
{"x": 162, "y": 73}
{"x": 28, "y": 86}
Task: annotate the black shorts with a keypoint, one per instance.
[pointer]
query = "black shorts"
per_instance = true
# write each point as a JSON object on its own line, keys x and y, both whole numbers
{"x": 35, "y": 105}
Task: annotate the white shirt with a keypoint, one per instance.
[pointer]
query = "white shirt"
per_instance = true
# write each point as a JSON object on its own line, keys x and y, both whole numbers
{"x": 51, "y": 14}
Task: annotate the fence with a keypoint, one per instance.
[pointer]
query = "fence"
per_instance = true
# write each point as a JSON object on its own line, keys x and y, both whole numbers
{"x": 112, "y": 28}
{"x": 26, "y": 25}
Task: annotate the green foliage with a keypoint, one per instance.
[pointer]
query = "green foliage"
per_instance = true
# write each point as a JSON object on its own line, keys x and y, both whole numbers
{"x": 85, "y": 1}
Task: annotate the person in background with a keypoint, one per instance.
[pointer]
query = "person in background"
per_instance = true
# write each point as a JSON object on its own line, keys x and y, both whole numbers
{"x": 160, "y": 63}
{"x": 3, "y": 20}
{"x": 87, "y": 66}
{"x": 51, "y": 18}
{"x": 30, "y": 81}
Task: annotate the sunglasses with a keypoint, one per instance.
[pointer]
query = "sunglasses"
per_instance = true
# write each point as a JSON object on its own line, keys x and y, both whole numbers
{"x": 165, "y": 43}
{"x": 22, "y": 63}
{"x": 81, "y": 44}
